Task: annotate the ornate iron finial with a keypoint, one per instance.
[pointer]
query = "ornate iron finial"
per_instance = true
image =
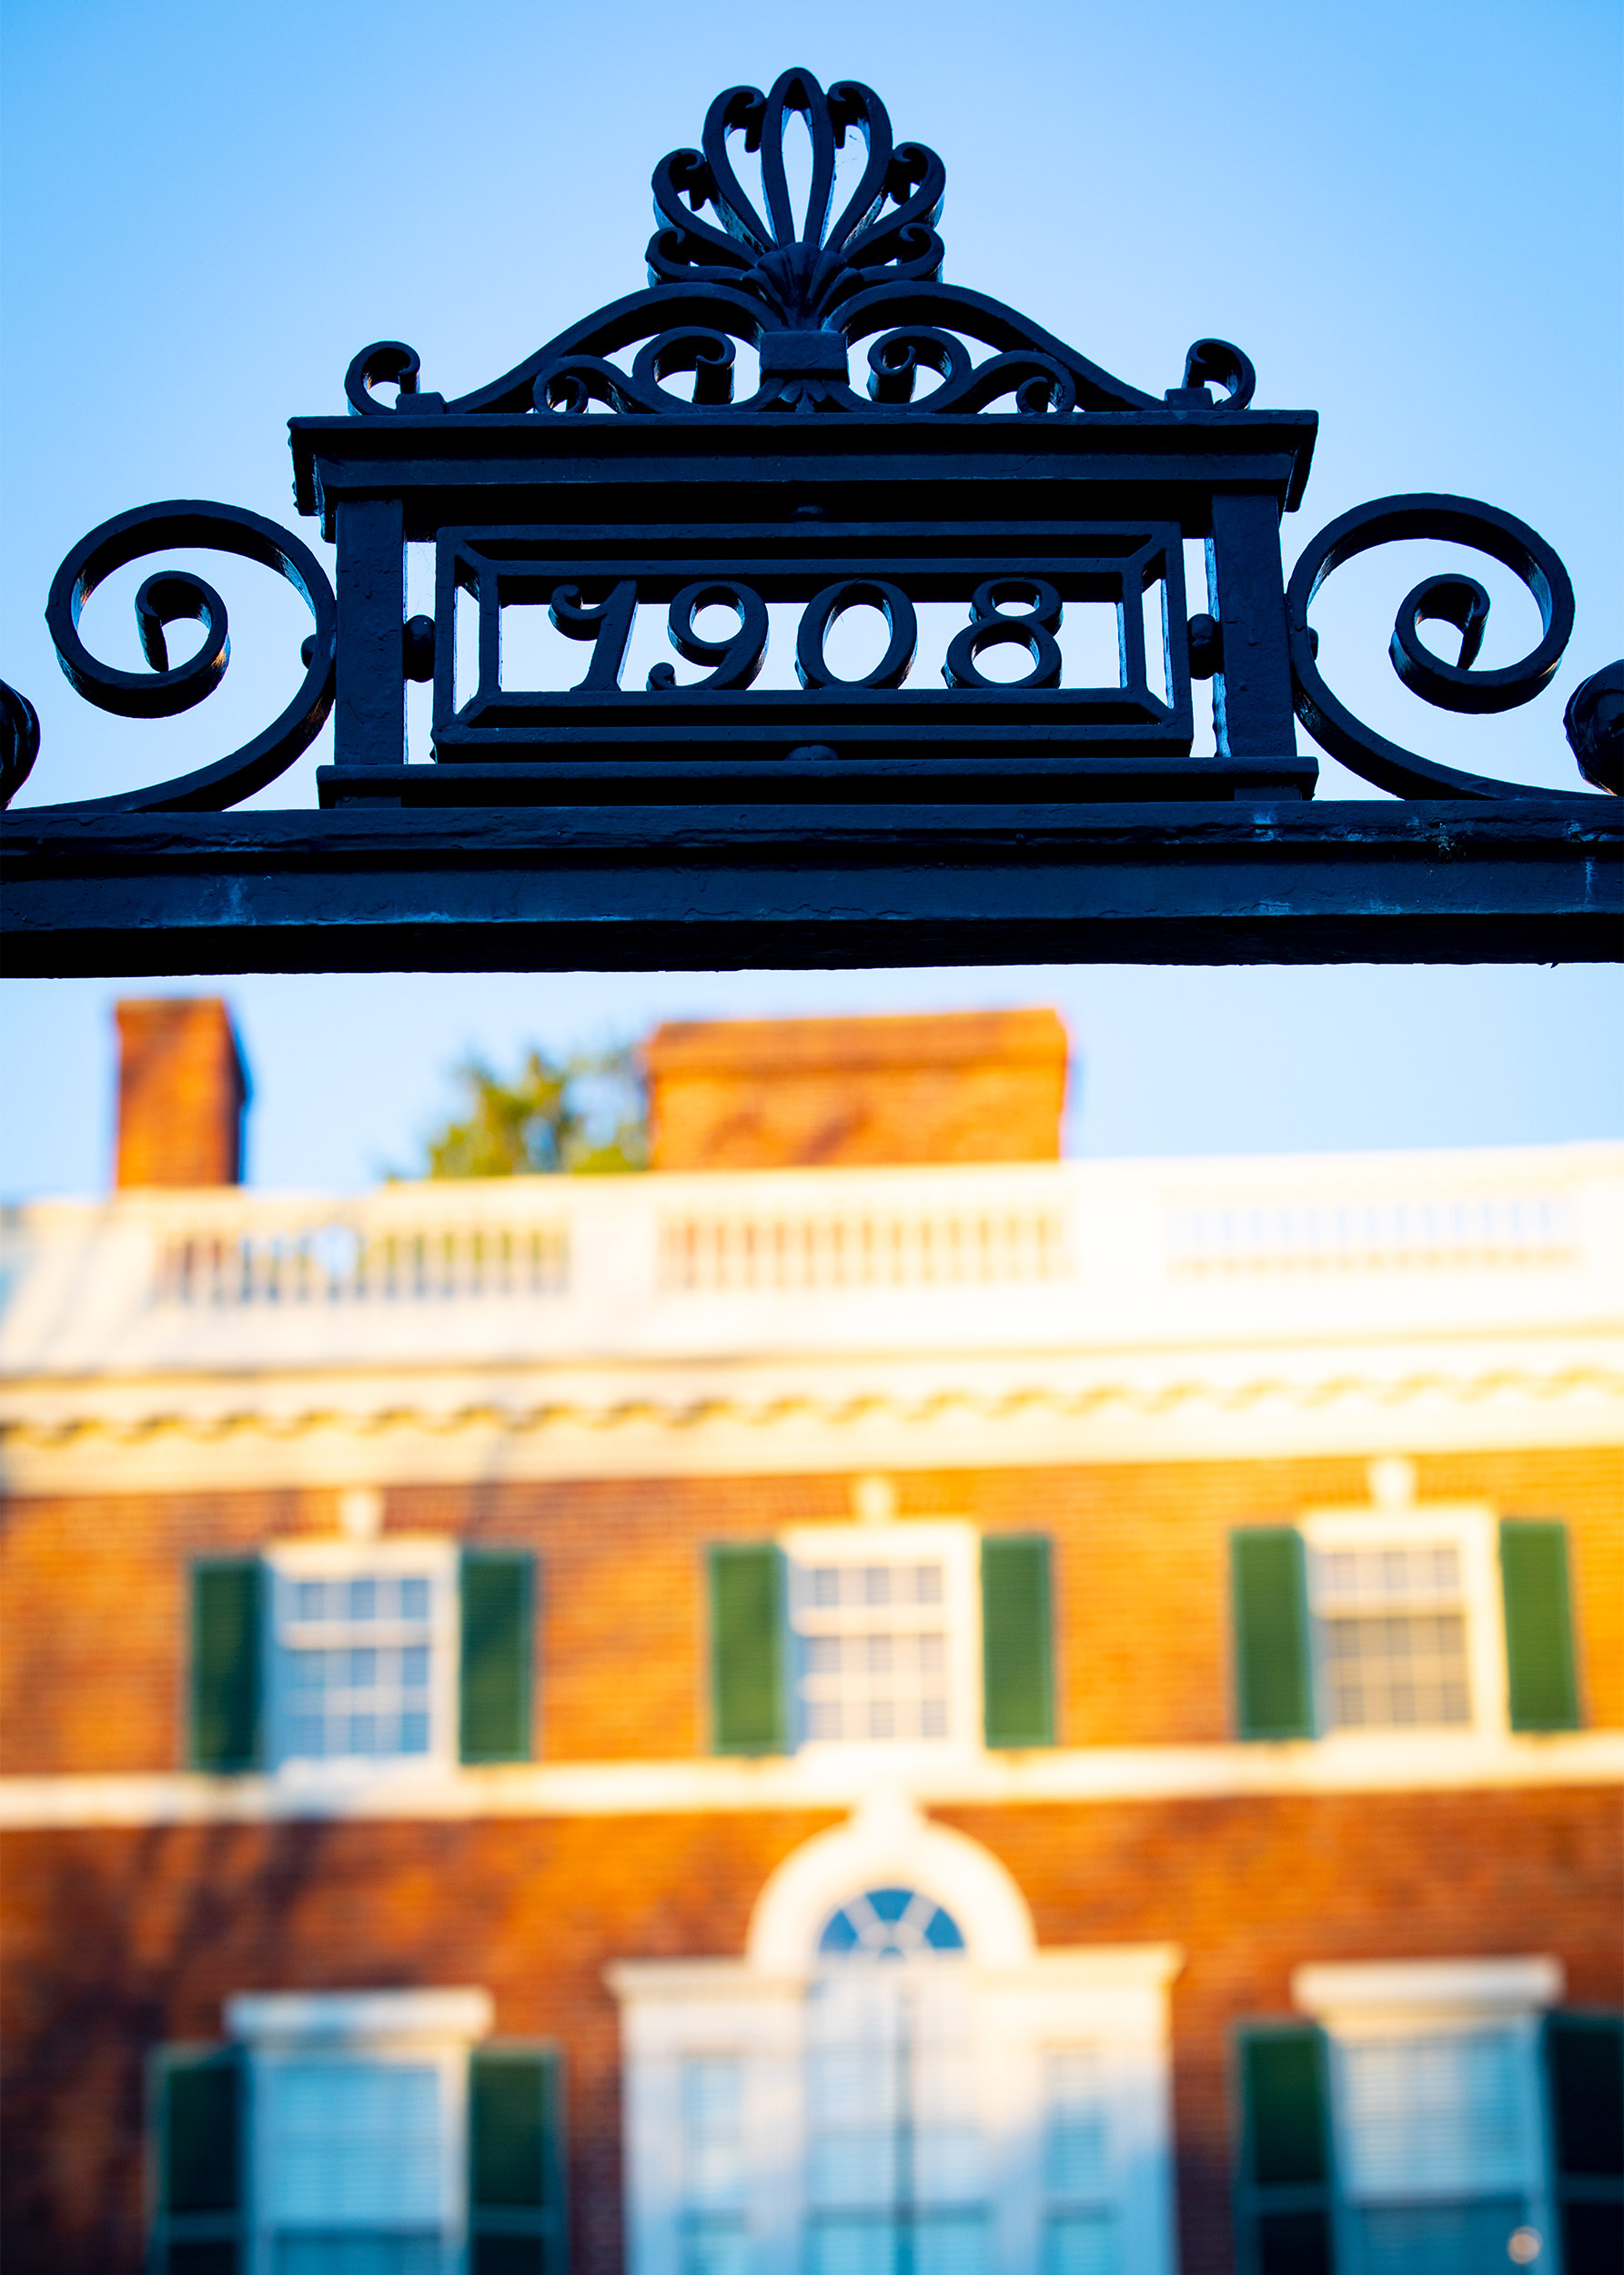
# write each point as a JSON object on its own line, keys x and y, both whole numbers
{"x": 803, "y": 288}
{"x": 886, "y": 232}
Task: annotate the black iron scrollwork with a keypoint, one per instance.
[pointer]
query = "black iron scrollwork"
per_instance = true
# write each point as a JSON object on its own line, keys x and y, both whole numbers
{"x": 803, "y": 288}
{"x": 1038, "y": 382}
{"x": 389, "y": 360}
{"x": 887, "y": 230}
{"x": 1217, "y": 362}
{"x": 572, "y": 382}
{"x": 1452, "y": 599}
{"x": 807, "y": 288}
{"x": 177, "y": 595}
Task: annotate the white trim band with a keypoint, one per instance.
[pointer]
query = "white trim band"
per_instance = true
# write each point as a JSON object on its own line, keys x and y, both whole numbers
{"x": 1344, "y": 1763}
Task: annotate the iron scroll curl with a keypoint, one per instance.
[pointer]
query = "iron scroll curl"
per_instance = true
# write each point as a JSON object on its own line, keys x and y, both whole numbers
{"x": 386, "y": 360}
{"x": 1450, "y": 598}
{"x": 572, "y": 382}
{"x": 175, "y": 595}
{"x": 1040, "y": 383}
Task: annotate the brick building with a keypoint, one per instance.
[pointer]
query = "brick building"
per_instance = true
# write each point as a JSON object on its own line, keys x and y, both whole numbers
{"x": 967, "y": 1716}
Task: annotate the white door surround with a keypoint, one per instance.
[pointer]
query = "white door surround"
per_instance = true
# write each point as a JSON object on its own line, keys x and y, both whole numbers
{"x": 1031, "y": 2010}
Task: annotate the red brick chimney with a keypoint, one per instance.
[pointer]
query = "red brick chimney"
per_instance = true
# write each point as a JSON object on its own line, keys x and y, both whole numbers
{"x": 182, "y": 1089}
{"x": 779, "y": 1094}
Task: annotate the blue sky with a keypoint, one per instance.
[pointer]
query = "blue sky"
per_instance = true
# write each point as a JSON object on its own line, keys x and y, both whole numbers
{"x": 1408, "y": 216}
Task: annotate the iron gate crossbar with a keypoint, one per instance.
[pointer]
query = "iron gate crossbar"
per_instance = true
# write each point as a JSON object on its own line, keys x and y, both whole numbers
{"x": 637, "y": 888}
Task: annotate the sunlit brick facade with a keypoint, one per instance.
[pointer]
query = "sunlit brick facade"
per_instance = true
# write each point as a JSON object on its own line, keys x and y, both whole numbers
{"x": 1025, "y": 1718}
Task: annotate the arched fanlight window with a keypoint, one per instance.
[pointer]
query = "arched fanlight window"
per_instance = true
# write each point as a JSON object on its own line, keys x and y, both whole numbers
{"x": 889, "y": 1924}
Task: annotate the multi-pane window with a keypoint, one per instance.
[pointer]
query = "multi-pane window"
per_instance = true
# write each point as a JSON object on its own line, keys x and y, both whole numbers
{"x": 872, "y": 1649}
{"x": 1082, "y": 2226}
{"x": 1405, "y": 1620}
{"x": 1438, "y": 2150}
{"x": 360, "y": 1662}
{"x": 881, "y": 1634}
{"x": 1392, "y": 1621}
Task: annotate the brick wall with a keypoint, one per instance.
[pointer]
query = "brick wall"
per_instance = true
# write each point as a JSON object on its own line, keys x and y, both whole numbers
{"x": 774, "y": 1094}
{"x": 93, "y": 1593}
{"x": 115, "y": 1941}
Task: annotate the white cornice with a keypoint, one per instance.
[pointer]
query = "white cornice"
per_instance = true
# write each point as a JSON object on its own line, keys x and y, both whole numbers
{"x": 1406, "y": 1762}
{"x": 977, "y": 1411}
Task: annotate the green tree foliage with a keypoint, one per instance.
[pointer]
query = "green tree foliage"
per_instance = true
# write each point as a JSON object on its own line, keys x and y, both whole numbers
{"x": 585, "y": 1115}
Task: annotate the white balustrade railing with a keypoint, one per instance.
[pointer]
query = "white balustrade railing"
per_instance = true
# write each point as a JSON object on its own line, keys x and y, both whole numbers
{"x": 1373, "y": 1232}
{"x": 723, "y": 1251}
{"x": 346, "y": 1255}
{"x": 997, "y": 1256}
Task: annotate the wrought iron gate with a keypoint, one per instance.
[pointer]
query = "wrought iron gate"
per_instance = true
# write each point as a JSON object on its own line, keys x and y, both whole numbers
{"x": 975, "y": 463}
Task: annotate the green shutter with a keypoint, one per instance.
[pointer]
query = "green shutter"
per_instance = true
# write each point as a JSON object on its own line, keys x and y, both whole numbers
{"x": 1273, "y": 1694}
{"x": 516, "y": 2165}
{"x": 1283, "y": 2201}
{"x": 1585, "y": 2058}
{"x": 1543, "y": 1688}
{"x": 227, "y": 1626}
{"x": 496, "y": 1674}
{"x": 1586, "y": 2055}
{"x": 747, "y": 1624}
{"x": 1282, "y": 2088}
{"x": 199, "y": 2163}
{"x": 1017, "y": 1642}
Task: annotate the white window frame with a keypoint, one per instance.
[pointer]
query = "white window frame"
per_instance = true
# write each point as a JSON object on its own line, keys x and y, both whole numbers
{"x": 1470, "y": 1528}
{"x": 435, "y": 1559}
{"x": 1383, "y": 2000}
{"x": 953, "y": 1542}
{"x": 420, "y": 2029}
